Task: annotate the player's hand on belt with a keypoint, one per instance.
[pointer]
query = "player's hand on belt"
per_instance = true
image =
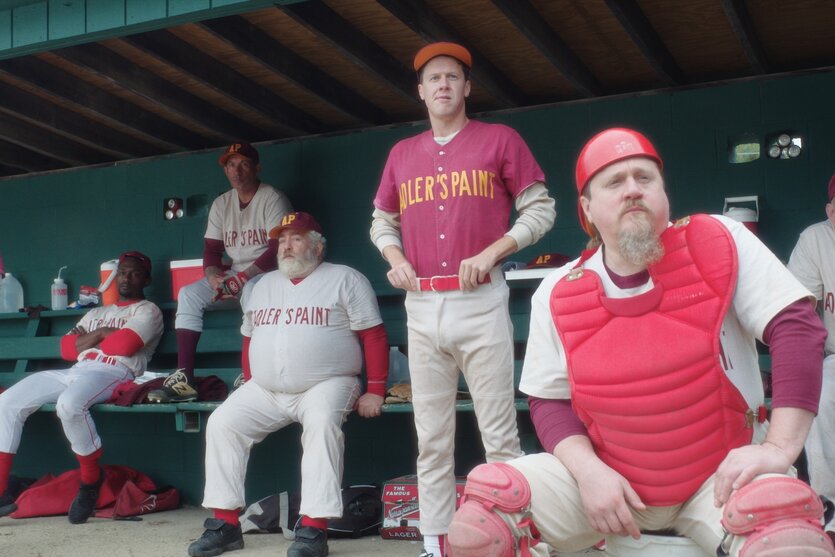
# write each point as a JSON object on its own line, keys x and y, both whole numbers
{"x": 78, "y": 330}
{"x": 402, "y": 275}
{"x": 369, "y": 405}
{"x": 472, "y": 270}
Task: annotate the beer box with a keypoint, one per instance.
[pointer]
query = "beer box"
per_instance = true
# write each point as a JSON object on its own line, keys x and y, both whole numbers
{"x": 401, "y": 517}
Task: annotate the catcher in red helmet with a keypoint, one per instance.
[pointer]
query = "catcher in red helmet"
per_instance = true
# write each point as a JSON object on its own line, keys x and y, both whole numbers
{"x": 645, "y": 389}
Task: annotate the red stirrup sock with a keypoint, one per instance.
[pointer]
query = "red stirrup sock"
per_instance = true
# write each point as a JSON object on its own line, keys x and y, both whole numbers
{"x": 228, "y": 516}
{"x": 5, "y": 470}
{"x": 320, "y": 523}
{"x": 90, "y": 470}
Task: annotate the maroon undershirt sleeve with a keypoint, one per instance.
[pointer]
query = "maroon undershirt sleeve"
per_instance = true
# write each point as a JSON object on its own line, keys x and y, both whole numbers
{"x": 795, "y": 338}
{"x": 266, "y": 261}
{"x": 212, "y": 253}
{"x": 554, "y": 420}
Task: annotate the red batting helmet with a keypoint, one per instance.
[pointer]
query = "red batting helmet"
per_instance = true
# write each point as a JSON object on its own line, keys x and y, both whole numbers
{"x": 605, "y": 148}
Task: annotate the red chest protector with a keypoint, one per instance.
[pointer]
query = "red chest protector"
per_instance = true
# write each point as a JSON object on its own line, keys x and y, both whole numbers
{"x": 645, "y": 371}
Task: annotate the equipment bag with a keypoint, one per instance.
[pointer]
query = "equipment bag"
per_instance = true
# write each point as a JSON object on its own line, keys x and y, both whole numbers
{"x": 362, "y": 511}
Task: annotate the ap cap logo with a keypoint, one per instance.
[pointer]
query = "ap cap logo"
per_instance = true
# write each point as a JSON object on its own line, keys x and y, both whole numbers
{"x": 288, "y": 219}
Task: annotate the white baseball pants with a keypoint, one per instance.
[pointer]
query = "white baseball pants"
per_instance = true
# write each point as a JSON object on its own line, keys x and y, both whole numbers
{"x": 252, "y": 412}
{"x": 820, "y": 444}
{"x": 448, "y": 332}
{"x": 194, "y": 298}
{"x": 557, "y": 511}
{"x": 74, "y": 391}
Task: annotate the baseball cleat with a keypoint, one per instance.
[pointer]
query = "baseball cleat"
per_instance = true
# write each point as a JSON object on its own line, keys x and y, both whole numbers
{"x": 7, "y": 504}
{"x": 310, "y": 542}
{"x": 176, "y": 388}
{"x": 219, "y": 536}
{"x": 85, "y": 500}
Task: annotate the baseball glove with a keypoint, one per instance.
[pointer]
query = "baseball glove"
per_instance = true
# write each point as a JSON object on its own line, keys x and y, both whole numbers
{"x": 402, "y": 392}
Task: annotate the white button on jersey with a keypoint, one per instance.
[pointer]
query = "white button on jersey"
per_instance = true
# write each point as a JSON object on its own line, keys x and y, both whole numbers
{"x": 442, "y": 152}
{"x": 440, "y": 168}
{"x": 443, "y": 264}
{"x": 440, "y": 207}
{"x": 443, "y": 236}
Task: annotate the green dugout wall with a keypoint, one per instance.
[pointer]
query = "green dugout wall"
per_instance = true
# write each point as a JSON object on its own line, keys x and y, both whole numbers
{"x": 82, "y": 217}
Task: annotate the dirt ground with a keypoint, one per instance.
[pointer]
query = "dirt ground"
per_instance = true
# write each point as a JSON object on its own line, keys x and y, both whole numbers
{"x": 164, "y": 534}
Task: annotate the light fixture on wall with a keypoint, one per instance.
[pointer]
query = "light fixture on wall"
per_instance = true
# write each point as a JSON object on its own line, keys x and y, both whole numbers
{"x": 785, "y": 145}
{"x": 172, "y": 208}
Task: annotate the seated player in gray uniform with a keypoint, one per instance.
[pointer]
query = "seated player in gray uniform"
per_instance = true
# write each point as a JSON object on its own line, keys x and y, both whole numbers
{"x": 110, "y": 345}
{"x": 813, "y": 263}
{"x": 306, "y": 329}
{"x": 239, "y": 220}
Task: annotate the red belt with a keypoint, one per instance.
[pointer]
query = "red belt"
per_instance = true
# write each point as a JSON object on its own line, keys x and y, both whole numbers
{"x": 110, "y": 360}
{"x": 443, "y": 283}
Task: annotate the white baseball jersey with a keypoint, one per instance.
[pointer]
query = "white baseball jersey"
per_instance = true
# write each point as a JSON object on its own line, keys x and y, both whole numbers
{"x": 764, "y": 287}
{"x": 244, "y": 232}
{"x": 143, "y": 318}
{"x": 813, "y": 263}
{"x": 291, "y": 323}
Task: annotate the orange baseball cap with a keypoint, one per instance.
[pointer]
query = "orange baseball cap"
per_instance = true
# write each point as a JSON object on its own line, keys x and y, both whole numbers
{"x": 430, "y": 51}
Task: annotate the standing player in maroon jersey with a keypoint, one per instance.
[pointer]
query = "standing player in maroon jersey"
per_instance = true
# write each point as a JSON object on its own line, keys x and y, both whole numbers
{"x": 441, "y": 220}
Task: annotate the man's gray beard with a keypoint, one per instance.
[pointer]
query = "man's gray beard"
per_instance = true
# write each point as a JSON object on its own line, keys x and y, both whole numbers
{"x": 301, "y": 266}
{"x": 639, "y": 245}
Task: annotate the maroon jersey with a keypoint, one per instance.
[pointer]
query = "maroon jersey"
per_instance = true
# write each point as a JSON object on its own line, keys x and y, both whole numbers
{"x": 455, "y": 199}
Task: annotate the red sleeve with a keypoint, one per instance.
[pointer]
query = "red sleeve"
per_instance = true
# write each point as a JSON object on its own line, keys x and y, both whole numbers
{"x": 267, "y": 260}
{"x": 245, "y": 359}
{"x": 124, "y": 342}
{"x": 796, "y": 338}
{"x": 212, "y": 253}
{"x": 376, "y": 350}
{"x": 554, "y": 420}
{"x": 68, "y": 351}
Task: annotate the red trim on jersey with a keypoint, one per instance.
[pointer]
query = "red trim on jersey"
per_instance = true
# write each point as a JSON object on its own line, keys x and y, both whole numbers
{"x": 245, "y": 367}
{"x": 68, "y": 349}
{"x": 212, "y": 253}
{"x": 124, "y": 342}
{"x": 375, "y": 348}
{"x": 267, "y": 261}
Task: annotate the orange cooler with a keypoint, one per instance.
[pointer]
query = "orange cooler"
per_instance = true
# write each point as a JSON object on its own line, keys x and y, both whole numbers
{"x": 183, "y": 272}
{"x": 108, "y": 288}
